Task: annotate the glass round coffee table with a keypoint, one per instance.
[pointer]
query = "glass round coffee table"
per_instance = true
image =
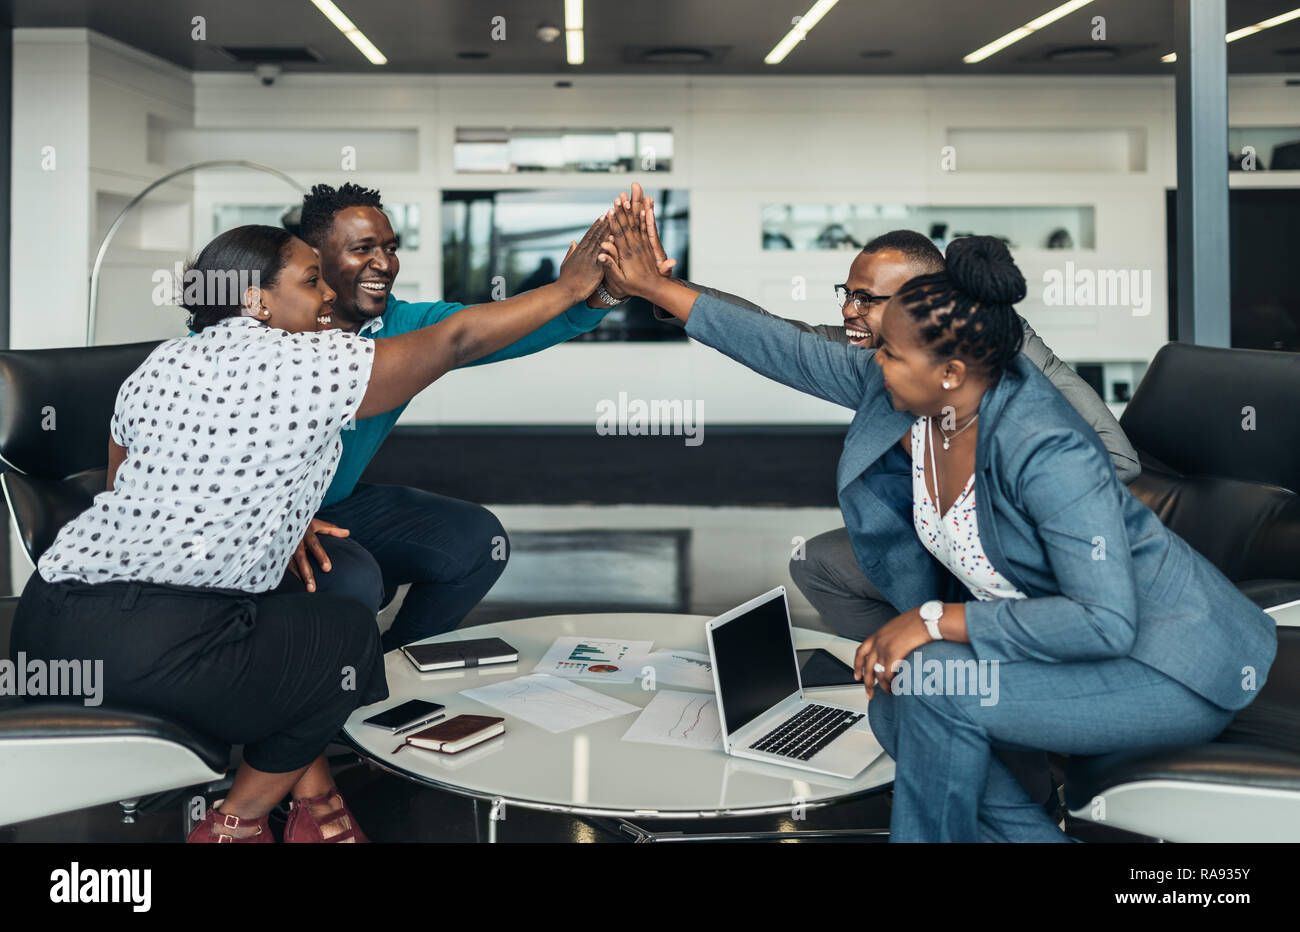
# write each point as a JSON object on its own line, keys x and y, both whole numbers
{"x": 590, "y": 771}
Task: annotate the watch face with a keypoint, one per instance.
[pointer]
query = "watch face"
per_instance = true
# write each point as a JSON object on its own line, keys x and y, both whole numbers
{"x": 932, "y": 611}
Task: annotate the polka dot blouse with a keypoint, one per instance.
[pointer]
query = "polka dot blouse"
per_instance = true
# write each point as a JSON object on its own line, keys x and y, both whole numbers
{"x": 232, "y": 437}
{"x": 954, "y": 538}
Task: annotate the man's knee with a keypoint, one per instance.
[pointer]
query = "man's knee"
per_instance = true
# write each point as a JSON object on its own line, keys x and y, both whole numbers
{"x": 489, "y": 544}
{"x": 812, "y": 567}
{"x": 353, "y": 574}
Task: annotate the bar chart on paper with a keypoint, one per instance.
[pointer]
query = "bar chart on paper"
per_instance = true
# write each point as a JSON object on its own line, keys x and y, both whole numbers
{"x": 606, "y": 659}
{"x": 684, "y": 720}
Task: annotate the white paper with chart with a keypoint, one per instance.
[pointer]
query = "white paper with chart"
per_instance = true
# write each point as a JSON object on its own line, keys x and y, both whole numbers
{"x": 684, "y": 720}
{"x": 549, "y": 702}
{"x": 608, "y": 659}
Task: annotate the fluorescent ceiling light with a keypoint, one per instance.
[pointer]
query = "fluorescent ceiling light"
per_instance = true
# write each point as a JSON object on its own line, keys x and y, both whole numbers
{"x": 573, "y": 14}
{"x": 355, "y": 35}
{"x": 1028, "y": 29}
{"x": 799, "y": 31}
{"x": 1249, "y": 30}
{"x": 574, "y": 46}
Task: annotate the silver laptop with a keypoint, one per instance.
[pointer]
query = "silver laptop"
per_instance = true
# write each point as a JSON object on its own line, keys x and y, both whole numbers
{"x": 761, "y": 702}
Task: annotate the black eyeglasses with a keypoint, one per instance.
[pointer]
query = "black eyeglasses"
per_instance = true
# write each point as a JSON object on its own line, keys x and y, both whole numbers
{"x": 862, "y": 300}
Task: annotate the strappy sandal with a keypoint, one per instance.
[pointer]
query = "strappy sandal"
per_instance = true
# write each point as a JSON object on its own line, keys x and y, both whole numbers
{"x": 206, "y": 831}
{"x": 303, "y": 827}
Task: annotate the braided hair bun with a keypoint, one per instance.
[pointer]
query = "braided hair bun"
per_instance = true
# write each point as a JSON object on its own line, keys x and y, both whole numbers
{"x": 966, "y": 310}
{"x": 982, "y": 267}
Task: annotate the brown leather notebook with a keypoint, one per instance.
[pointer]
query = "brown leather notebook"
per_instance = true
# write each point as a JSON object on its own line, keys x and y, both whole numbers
{"x": 456, "y": 734}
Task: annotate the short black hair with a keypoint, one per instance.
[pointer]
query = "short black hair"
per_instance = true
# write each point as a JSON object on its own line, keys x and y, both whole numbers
{"x": 320, "y": 206}
{"x": 921, "y": 254}
{"x": 214, "y": 282}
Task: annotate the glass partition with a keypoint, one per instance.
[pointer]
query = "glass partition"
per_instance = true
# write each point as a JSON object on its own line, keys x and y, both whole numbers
{"x": 851, "y": 226}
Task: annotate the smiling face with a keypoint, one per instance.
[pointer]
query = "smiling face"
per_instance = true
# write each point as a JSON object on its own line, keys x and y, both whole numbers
{"x": 299, "y": 301}
{"x": 913, "y": 376}
{"x": 359, "y": 261}
{"x": 878, "y": 273}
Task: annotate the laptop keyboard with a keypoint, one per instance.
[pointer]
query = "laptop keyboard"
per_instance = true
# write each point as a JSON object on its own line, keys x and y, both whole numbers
{"x": 804, "y": 734}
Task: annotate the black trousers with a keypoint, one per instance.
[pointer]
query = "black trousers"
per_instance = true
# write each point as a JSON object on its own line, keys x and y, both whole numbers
{"x": 277, "y": 673}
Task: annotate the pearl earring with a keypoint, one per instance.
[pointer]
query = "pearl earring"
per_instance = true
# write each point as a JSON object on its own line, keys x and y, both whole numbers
{"x": 946, "y": 385}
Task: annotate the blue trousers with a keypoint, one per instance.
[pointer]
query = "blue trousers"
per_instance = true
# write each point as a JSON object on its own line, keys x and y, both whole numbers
{"x": 948, "y": 786}
{"x": 451, "y": 552}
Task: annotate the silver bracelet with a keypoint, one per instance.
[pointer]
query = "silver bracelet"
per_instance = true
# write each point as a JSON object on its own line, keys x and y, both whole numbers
{"x": 606, "y": 298}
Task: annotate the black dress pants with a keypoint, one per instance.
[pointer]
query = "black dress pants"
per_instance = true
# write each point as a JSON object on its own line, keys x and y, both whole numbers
{"x": 277, "y": 673}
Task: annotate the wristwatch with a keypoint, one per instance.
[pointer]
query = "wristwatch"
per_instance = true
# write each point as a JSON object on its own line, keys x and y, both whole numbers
{"x": 606, "y": 298}
{"x": 931, "y": 612}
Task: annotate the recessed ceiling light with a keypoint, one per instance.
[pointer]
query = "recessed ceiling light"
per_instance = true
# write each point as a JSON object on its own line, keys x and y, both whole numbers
{"x": 355, "y": 35}
{"x": 676, "y": 56}
{"x": 1028, "y": 29}
{"x": 1083, "y": 53}
{"x": 1249, "y": 30}
{"x": 799, "y": 31}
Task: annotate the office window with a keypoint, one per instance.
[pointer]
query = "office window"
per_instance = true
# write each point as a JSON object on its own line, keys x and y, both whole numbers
{"x": 1271, "y": 148}
{"x": 405, "y": 219}
{"x": 499, "y": 243}
{"x": 851, "y": 226}
{"x": 508, "y": 151}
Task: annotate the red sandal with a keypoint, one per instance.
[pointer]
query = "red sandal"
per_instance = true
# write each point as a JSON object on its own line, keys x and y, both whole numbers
{"x": 206, "y": 831}
{"x": 303, "y": 827}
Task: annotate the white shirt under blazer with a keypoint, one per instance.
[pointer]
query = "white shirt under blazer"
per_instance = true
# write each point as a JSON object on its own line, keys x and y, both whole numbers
{"x": 953, "y": 537}
{"x": 232, "y": 437}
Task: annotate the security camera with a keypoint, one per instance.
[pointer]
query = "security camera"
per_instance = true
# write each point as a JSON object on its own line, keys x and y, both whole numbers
{"x": 267, "y": 74}
{"x": 548, "y": 33}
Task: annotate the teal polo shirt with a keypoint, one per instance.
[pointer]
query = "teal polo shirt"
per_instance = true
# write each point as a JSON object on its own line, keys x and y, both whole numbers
{"x": 362, "y": 442}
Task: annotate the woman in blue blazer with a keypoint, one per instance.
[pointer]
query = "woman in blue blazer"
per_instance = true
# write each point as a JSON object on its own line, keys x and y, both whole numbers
{"x": 973, "y": 492}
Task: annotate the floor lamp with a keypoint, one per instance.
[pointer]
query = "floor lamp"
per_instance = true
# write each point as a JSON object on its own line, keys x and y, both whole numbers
{"x": 121, "y": 218}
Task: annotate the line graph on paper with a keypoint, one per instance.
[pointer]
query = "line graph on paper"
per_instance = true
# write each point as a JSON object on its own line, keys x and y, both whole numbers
{"x": 679, "y": 719}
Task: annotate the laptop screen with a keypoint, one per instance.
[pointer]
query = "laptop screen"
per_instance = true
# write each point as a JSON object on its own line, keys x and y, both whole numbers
{"x": 755, "y": 662}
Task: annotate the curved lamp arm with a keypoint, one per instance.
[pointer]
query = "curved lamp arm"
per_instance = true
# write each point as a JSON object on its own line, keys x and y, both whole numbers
{"x": 121, "y": 218}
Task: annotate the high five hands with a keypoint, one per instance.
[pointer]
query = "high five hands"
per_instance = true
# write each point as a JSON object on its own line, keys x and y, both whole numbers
{"x": 634, "y": 260}
{"x": 580, "y": 273}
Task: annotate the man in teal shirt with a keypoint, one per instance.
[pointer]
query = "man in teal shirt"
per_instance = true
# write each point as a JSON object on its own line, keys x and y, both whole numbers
{"x": 450, "y": 551}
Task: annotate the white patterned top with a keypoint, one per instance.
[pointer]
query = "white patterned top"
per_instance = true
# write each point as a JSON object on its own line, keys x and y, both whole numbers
{"x": 954, "y": 538}
{"x": 232, "y": 436}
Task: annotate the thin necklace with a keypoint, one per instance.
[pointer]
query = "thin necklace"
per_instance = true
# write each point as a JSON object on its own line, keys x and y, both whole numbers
{"x": 934, "y": 469}
{"x": 947, "y": 437}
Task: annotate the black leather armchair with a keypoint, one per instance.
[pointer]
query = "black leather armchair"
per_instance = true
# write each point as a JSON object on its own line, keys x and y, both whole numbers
{"x": 1218, "y": 432}
{"x": 60, "y": 756}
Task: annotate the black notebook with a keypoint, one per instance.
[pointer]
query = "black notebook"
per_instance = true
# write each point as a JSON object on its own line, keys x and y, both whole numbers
{"x": 472, "y": 653}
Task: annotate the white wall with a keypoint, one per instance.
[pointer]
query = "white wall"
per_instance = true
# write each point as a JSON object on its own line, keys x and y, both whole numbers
{"x": 739, "y": 143}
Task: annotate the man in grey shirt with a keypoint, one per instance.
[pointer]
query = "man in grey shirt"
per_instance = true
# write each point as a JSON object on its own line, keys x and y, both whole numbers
{"x": 827, "y": 573}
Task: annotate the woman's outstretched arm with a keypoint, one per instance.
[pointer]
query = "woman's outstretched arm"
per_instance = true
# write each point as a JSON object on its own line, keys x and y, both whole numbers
{"x": 406, "y": 364}
{"x": 835, "y": 372}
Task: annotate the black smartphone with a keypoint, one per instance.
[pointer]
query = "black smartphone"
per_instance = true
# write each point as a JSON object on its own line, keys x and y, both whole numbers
{"x": 408, "y": 715}
{"x": 819, "y": 667}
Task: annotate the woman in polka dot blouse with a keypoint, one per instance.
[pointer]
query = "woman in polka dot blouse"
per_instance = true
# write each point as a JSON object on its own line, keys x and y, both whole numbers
{"x": 222, "y": 445}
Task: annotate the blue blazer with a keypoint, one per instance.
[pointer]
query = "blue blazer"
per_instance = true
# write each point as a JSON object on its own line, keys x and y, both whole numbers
{"x": 1104, "y": 578}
